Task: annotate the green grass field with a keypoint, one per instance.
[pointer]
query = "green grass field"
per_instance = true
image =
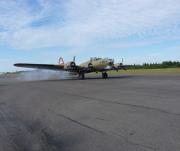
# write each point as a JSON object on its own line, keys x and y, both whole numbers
{"x": 169, "y": 71}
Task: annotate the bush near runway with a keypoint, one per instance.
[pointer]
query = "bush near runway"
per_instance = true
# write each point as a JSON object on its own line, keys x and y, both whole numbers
{"x": 164, "y": 64}
{"x": 165, "y": 71}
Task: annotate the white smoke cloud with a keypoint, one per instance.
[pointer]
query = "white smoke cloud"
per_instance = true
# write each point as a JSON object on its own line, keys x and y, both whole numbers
{"x": 36, "y": 75}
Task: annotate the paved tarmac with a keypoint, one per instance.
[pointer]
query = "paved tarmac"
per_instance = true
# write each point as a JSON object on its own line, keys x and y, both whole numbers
{"x": 125, "y": 113}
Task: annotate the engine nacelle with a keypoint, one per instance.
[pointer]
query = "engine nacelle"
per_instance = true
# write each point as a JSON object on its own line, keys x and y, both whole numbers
{"x": 70, "y": 64}
{"x": 90, "y": 65}
{"x": 118, "y": 64}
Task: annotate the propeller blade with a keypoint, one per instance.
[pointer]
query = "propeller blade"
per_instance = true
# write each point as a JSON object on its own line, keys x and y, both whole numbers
{"x": 74, "y": 58}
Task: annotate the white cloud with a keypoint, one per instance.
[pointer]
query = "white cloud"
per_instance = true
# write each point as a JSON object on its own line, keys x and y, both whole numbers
{"x": 81, "y": 23}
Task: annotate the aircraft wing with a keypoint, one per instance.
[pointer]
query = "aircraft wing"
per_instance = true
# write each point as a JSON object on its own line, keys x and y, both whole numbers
{"x": 40, "y": 66}
{"x": 121, "y": 67}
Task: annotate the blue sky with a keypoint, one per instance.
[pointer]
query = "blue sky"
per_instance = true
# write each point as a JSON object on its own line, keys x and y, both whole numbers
{"x": 40, "y": 31}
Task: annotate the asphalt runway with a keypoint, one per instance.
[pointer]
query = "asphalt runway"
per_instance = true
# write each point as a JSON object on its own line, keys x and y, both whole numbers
{"x": 125, "y": 113}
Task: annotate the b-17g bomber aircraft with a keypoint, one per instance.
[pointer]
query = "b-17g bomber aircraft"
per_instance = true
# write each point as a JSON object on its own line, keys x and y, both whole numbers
{"x": 93, "y": 65}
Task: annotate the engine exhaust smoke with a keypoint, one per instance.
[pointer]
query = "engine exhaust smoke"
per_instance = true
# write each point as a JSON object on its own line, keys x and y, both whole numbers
{"x": 36, "y": 75}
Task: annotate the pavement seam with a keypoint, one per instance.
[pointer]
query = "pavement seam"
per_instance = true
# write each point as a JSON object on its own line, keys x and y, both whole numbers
{"x": 77, "y": 122}
{"x": 101, "y": 131}
{"x": 133, "y": 143}
{"x": 126, "y": 104}
{"x": 120, "y": 103}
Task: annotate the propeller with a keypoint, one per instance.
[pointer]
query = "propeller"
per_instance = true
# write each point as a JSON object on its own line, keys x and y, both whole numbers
{"x": 74, "y": 59}
{"x": 121, "y": 64}
{"x": 111, "y": 62}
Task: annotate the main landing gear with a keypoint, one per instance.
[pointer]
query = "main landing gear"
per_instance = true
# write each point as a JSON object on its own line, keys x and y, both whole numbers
{"x": 104, "y": 75}
{"x": 81, "y": 76}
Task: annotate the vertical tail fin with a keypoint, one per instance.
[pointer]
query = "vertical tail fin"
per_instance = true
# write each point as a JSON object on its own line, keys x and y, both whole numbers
{"x": 61, "y": 61}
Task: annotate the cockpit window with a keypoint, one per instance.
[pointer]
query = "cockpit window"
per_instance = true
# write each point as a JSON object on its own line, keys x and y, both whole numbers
{"x": 95, "y": 59}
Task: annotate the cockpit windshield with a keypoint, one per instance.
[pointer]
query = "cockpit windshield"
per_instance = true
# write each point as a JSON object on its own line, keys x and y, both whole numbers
{"x": 95, "y": 58}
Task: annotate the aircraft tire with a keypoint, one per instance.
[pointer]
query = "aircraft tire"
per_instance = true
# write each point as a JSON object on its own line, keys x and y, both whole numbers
{"x": 104, "y": 75}
{"x": 82, "y": 76}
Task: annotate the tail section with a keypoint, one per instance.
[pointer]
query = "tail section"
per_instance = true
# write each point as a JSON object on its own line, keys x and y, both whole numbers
{"x": 61, "y": 61}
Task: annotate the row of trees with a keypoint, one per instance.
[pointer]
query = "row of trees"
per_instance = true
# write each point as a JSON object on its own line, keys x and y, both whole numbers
{"x": 165, "y": 64}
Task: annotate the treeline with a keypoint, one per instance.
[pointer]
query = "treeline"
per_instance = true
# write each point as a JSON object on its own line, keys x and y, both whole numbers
{"x": 165, "y": 64}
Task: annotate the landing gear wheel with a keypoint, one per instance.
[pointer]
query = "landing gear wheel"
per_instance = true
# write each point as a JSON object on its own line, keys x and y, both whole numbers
{"x": 104, "y": 75}
{"x": 81, "y": 76}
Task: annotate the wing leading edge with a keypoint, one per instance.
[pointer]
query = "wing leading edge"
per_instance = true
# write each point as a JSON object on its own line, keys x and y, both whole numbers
{"x": 40, "y": 66}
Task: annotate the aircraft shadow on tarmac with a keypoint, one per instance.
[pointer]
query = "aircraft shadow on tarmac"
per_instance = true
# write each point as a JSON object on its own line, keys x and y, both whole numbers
{"x": 92, "y": 78}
